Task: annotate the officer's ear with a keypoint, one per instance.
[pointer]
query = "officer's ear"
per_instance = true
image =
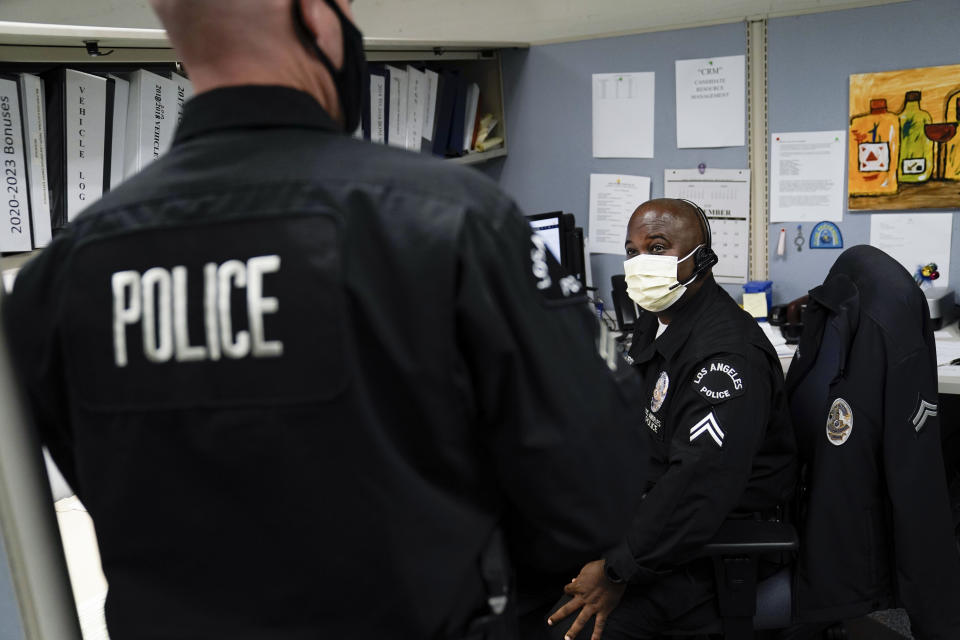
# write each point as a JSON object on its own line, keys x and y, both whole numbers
{"x": 321, "y": 25}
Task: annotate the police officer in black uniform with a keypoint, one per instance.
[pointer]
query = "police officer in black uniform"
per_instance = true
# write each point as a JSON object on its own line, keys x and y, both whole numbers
{"x": 717, "y": 419}
{"x": 305, "y": 385}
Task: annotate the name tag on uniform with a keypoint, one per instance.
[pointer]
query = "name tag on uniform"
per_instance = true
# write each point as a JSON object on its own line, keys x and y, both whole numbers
{"x": 235, "y": 313}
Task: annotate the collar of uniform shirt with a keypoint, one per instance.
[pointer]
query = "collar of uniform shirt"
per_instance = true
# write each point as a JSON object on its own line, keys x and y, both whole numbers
{"x": 645, "y": 341}
{"x": 251, "y": 106}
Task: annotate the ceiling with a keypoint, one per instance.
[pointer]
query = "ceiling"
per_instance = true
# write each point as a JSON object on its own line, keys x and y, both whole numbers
{"x": 532, "y": 21}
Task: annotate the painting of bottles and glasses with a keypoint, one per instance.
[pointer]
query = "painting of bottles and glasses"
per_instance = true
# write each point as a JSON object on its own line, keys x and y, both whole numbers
{"x": 904, "y": 148}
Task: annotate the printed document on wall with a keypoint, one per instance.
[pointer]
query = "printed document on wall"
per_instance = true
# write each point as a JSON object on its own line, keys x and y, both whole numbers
{"x": 724, "y": 195}
{"x": 915, "y": 240}
{"x": 623, "y": 115}
{"x": 613, "y": 199}
{"x": 711, "y": 102}
{"x": 807, "y": 176}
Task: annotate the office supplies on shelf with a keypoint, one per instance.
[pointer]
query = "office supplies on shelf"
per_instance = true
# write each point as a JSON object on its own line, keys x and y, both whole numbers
{"x": 490, "y": 143}
{"x": 487, "y": 125}
{"x": 471, "y": 114}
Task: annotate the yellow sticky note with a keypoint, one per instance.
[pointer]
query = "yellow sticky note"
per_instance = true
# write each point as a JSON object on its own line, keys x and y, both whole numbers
{"x": 755, "y": 304}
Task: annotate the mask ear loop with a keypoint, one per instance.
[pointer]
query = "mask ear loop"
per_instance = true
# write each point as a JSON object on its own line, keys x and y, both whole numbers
{"x": 300, "y": 26}
{"x": 696, "y": 272}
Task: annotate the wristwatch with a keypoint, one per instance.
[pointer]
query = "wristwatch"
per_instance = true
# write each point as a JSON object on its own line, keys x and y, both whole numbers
{"x": 611, "y": 574}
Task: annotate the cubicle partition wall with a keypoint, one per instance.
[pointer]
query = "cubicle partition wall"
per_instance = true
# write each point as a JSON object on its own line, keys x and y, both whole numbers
{"x": 547, "y": 91}
{"x": 809, "y": 60}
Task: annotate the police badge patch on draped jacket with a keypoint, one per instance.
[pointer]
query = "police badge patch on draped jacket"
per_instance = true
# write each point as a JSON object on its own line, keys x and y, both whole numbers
{"x": 876, "y": 529}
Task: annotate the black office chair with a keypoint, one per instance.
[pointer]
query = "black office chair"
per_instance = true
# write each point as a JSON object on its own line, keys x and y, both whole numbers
{"x": 865, "y": 289}
{"x": 747, "y": 604}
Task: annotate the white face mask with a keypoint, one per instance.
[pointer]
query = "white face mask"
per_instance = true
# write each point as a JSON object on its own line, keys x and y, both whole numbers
{"x": 652, "y": 280}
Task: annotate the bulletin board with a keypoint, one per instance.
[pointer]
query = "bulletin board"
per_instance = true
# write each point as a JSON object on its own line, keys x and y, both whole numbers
{"x": 547, "y": 91}
{"x": 810, "y": 61}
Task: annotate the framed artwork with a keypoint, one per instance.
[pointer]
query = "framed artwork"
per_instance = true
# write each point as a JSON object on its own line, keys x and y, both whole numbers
{"x": 904, "y": 152}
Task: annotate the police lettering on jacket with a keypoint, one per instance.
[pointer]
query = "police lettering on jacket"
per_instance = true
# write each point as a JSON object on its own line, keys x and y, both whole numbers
{"x": 157, "y": 300}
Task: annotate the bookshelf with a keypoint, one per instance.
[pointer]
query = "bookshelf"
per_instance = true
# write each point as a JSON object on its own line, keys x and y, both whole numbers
{"x": 34, "y": 45}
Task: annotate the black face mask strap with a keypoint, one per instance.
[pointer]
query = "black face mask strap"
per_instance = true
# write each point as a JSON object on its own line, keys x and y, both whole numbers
{"x": 300, "y": 26}
{"x": 336, "y": 9}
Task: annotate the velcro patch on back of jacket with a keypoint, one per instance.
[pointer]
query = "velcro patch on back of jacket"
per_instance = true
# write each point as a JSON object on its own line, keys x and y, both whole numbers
{"x": 241, "y": 312}
{"x": 719, "y": 379}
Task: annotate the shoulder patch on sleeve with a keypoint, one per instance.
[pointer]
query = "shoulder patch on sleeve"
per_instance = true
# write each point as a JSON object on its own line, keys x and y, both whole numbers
{"x": 719, "y": 379}
{"x": 555, "y": 286}
{"x": 924, "y": 411}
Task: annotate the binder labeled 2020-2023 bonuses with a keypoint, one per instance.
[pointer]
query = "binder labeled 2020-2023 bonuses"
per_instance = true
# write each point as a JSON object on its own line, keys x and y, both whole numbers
{"x": 15, "y": 232}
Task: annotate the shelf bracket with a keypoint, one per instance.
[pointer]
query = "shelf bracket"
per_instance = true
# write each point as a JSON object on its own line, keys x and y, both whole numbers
{"x": 93, "y": 49}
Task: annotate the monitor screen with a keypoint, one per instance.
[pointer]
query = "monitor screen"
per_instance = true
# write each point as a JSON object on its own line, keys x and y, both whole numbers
{"x": 547, "y": 226}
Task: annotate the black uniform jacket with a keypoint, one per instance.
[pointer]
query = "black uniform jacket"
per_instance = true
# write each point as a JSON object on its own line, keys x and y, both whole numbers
{"x": 298, "y": 380}
{"x": 717, "y": 417}
{"x": 863, "y": 390}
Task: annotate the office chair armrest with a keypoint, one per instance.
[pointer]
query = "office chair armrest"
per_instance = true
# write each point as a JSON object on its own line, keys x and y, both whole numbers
{"x": 750, "y": 537}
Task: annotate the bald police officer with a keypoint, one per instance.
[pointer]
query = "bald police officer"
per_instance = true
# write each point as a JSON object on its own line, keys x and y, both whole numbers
{"x": 717, "y": 420}
{"x": 305, "y": 386}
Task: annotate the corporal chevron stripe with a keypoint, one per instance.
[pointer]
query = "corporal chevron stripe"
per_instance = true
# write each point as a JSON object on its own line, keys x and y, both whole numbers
{"x": 708, "y": 425}
{"x": 926, "y": 410}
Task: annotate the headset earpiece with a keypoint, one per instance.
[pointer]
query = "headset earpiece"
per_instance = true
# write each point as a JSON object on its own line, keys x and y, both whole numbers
{"x": 704, "y": 258}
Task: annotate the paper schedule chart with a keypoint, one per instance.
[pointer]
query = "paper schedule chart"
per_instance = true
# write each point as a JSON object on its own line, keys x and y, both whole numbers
{"x": 613, "y": 199}
{"x": 724, "y": 195}
{"x": 623, "y": 115}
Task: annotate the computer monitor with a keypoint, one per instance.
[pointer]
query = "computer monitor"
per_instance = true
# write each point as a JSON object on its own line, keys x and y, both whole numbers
{"x": 564, "y": 239}
{"x": 548, "y": 227}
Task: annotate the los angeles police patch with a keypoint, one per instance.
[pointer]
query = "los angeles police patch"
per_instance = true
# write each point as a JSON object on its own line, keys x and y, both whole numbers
{"x": 719, "y": 379}
{"x": 660, "y": 392}
{"x": 839, "y": 422}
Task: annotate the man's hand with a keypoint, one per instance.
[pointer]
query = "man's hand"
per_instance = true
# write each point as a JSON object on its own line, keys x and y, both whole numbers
{"x": 594, "y": 595}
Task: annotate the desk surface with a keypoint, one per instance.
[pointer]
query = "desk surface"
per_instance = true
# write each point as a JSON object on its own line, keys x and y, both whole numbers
{"x": 948, "y": 348}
